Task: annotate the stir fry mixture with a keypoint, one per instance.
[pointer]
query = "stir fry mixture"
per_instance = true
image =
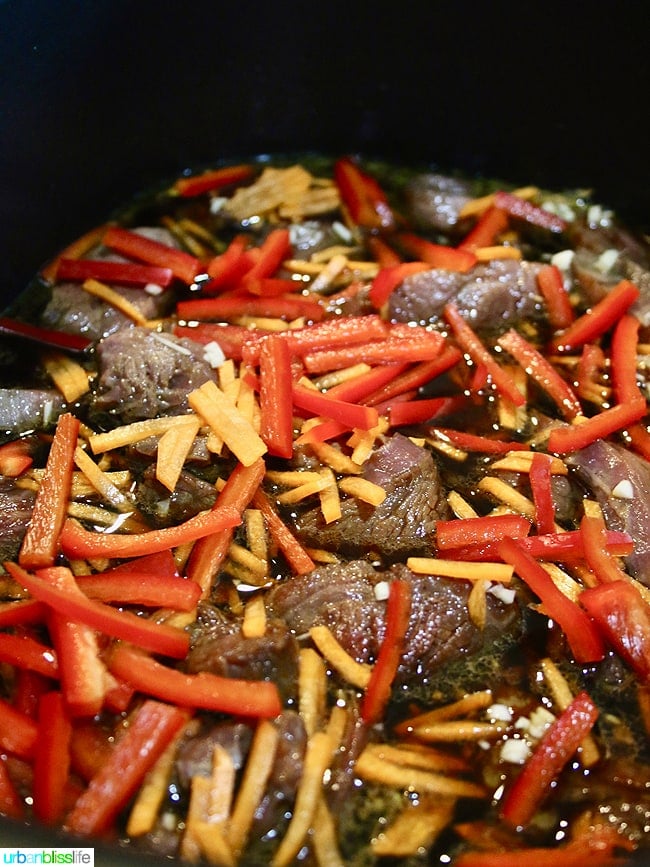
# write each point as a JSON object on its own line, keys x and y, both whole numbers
{"x": 325, "y": 503}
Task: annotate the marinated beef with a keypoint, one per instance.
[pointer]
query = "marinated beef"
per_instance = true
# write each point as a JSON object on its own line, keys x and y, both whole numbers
{"x": 620, "y": 481}
{"x": 219, "y": 646}
{"x": 343, "y": 597}
{"x": 16, "y": 506}
{"x": 25, "y": 409}
{"x": 434, "y": 201}
{"x": 492, "y": 296}
{"x": 143, "y": 374}
{"x": 403, "y": 524}
{"x": 190, "y": 496}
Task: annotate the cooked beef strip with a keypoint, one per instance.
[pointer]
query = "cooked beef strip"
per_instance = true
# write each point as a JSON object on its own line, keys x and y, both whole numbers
{"x": 26, "y": 409}
{"x": 343, "y": 598}
{"x": 143, "y": 374}
{"x": 601, "y": 466}
{"x": 217, "y": 645}
{"x": 403, "y": 524}
{"x": 494, "y": 296}
{"x": 433, "y": 201}
{"x": 190, "y": 496}
{"x": 16, "y": 506}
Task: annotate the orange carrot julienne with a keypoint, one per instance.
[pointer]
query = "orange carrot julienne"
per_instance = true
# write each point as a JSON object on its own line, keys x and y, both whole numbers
{"x": 41, "y": 541}
{"x": 298, "y": 559}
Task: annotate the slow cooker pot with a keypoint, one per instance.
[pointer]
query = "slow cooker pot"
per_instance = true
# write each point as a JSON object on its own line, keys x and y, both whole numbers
{"x": 101, "y": 99}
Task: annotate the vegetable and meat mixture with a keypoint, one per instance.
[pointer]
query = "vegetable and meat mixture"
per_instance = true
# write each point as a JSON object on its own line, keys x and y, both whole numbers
{"x": 325, "y": 524}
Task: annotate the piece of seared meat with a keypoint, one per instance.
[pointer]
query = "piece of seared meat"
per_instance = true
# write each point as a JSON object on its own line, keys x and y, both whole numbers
{"x": 603, "y": 466}
{"x": 403, "y": 524}
{"x": 26, "y": 409}
{"x": 144, "y": 374}
{"x": 218, "y": 645}
{"x": 492, "y": 296}
{"x": 16, "y": 506}
{"x": 343, "y": 597}
{"x": 434, "y": 201}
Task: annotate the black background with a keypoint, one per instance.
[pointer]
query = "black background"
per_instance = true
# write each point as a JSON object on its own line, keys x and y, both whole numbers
{"x": 101, "y": 98}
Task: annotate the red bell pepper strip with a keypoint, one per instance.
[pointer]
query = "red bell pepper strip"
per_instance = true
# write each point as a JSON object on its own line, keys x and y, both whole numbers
{"x": 15, "y": 458}
{"x": 52, "y": 759}
{"x": 40, "y": 544}
{"x": 571, "y": 438}
{"x": 295, "y": 555}
{"x": 140, "y": 588}
{"x": 23, "y": 651}
{"x": 390, "y": 278}
{"x": 91, "y": 745}
{"x": 234, "y": 305}
{"x": 419, "y": 346}
{"x": 22, "y": 613}
{"x": 477, "y": 443}
{"x": 28, "y": 689}
{"x": 590, "y": 365}
{"x": 363, "y": 197}
{"x": 457, "y": 532}
{"x": 413, "y": 377}
{"x": 320, "y": 433}
{"x": 598, "y": 320}
{"x": 556, "y": 298}
{"x": 84, "y": 678}
{"x": 382, "y": 252}
{"x": 542, "y": 491}
{"x": 350, "y": 414}
{"x": 276, "y": 408}
{"x": 624, "y": 344}
{"x": 570, "y": 545}
{"x": 639, "y": 440}
{"x": 136, "y": 246}
{"x": 250, "y": 698}
{"x": 418, "y": 411}
{"x": 80, "y": 543}
{"x": 583, "y": 636}
{"x": 623, "y": 616}
{"x": 488, "y": 227}
{"x": 336, "y": 333}
{"x": 162, "y": 563}
{"x": 542, "y": 371}
{"x": 358, "y": 389}
{"x": 76, "y": 250}
{"x": 122, "y": 273}
{"x": 576, "y": 853}
{"x": 157, "y": 637}
{"x": 437, "y": 255}
{"x": 150, "y": 731}
{"x": 522, "y": 209}
{"x": 271, "y": 287}
{"x": 275, "y": 248}
{"x": 209, "y": 553}
{"x": 229, "y": 267}
{"x": 44, "y": 336}
{"x": 559, "y": 743}
{"x": 214, "y": 179}
{"x": 18, "y": 732}
{"x": 11, "y": 804}
{"x": 398, "y": 612}
{"x": 471, "y": 343}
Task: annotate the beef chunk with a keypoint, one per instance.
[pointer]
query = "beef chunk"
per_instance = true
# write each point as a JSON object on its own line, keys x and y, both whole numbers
{"x": 440, "y": 632}
{"x": 219, "y": 646}
{"x": 190, "y": 496}
{"x": 403, "y": 524}
{"x": 143, "y": 374}
{"x": 601, "y": 466}
{"x": 433, "y": 201}
{"x": 491, "y": 296}
{"x": 25, "y": 409}
{"x": 16, "y": 506}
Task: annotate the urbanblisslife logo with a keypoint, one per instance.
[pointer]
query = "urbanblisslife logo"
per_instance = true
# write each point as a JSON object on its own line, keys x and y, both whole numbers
{"x": 22, "y": 855}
